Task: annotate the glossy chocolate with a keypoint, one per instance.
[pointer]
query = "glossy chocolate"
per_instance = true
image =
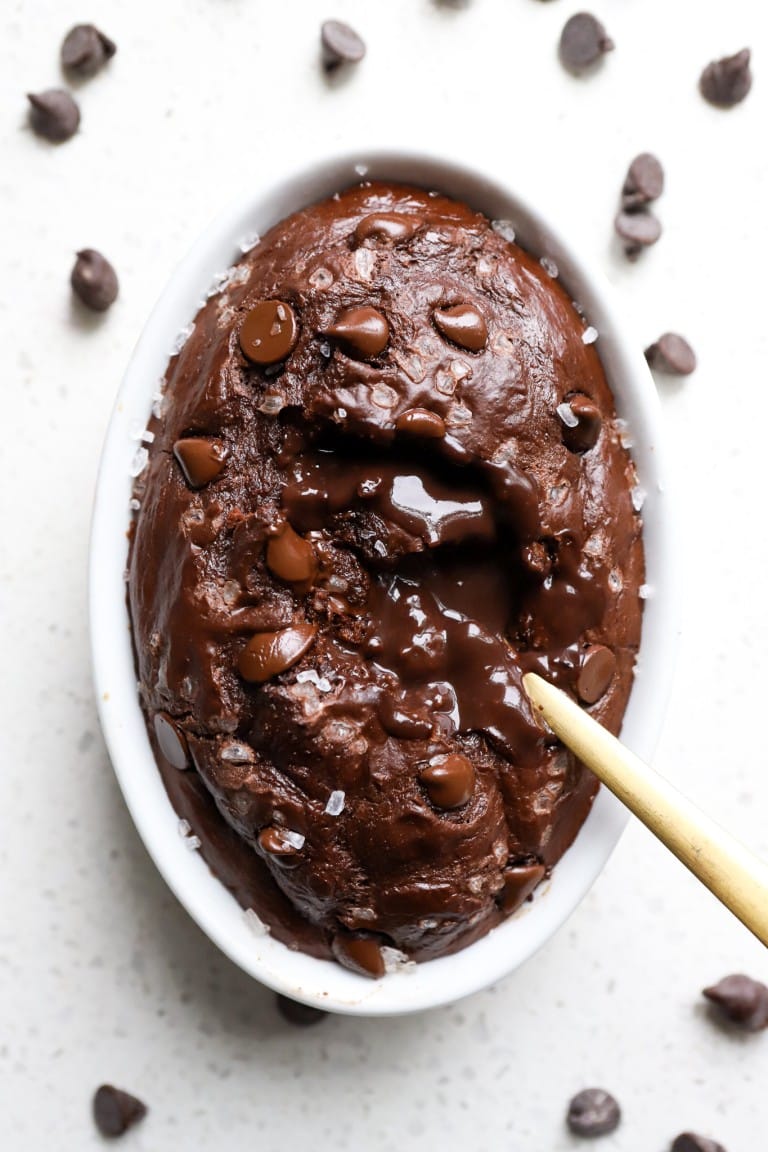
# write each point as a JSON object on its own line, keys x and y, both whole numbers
{"x": 421, "y": 422}
{"x": 267, "y": 654}
{"x": 582, "y": 422}
{"x": 520, "y": 882}
{"x": 268, "y": 332}
{"x": 598, "y": 665}
{"x": 290, "y": 557}
{"x": 449, "y": 780}
{"x": 464, "y": 324}
{"x": 397, "y": 536}
{"x": 360, "y": 953}
{"x": 392, "y": 226}
{"x": 171, "y": 741}
{"x": 363, "y": 332}
{"x": 201, "y": 460}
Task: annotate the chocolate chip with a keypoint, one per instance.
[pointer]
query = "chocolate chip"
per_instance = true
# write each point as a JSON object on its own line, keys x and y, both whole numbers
{"x": 520, "y": 880}
{"x": 583, "y": 42}
{"x": 363, "y": 332}
{"x": 392, "y": 226}
{"x": 361, "y": 954}
{"x": 598, "y": 666}
{"x": 690, "y": 1142}
{"x": 341, "y": 45}
{"x": 741, "y": 1001}
{"x": 201, "y": 460}
{"x": 85, "y": 50}
{"x": 290, "y": 557}
{"x": 449, "y": 780}
{"x": 267, "y": 654}
{"x": 638, "y": 230}
{"x": 302, "y": 1015}
{"x": 726, "y": 82}
{"x": 421, "y": 422}
{"x": 282, "y": 843}
{"x": 593, "y": 1112}
{"x": 464, "y": 325}
{"x": 644, "y": 182}
{"x": 171, "y": 741}
{"x": 53, "y": 114}
{"x": 94, "y": 280}
{"x": 671, "y": 354}
{"x": 269, "y": 332}
{"x": 115, "y": 1111}
{"x": 582, "y": 421}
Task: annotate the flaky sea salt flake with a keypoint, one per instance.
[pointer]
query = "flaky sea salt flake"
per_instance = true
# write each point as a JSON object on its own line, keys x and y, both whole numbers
{"x": 396, "y": 961}
{"x": 218, "y": 283}
{"x": 249, "y": 241}
{"x": 181, "y": 338}
{"x": 236, "y": 753}
{"x": 550, "y": 267}
{"x": 383, "y": 396}
{"x": 321, "y": 278}
{"x": 335, "y": 805}
{"x": 459, "y": 369}
{"x": 637, "y": 495}
{"x": 158, "y": 402}
{"x": 365, "y": 262}
{"x": 255, "y": 923}
{"x": 625, "y": 438}
{"x": 139, "y": 462}
{"x": 505, "y": 229}
{"x": 589, "y": 335}
{"x": 272, "y": 404}
{"x": 645, "y": 591}
{"x": 295, "y": 839}
{"x": 190, "y": 840}
{"x": 567, "y": 415}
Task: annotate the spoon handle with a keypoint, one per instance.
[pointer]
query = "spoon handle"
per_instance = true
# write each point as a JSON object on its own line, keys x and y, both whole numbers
{"x": 729, "y": 870}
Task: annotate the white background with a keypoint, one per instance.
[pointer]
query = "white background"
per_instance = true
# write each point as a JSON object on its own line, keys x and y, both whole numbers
{"x": 102, "y": 976}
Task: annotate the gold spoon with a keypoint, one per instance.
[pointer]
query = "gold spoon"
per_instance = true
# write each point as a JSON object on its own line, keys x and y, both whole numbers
{"x": 735, "y": 875}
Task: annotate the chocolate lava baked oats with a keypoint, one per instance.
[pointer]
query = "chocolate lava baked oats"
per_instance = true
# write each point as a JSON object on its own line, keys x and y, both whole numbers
{"x": 387, "y": 481}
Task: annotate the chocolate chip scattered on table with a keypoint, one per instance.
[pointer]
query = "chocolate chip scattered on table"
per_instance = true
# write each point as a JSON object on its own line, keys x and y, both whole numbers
{"x": 726, "y": 82}
{"x": 85, "y": 50}
{"x": 94, "y": 280}
{"x": 740, "y": 1001}
{"x": 583, "y": 42}
{"x": 593, "y": 1112}
{"x": 690, "y": 1142}
{"x": 115, "y": 1111}
{"x": 53, "y": 114}
{"x": 643, "y": 183}
{"x": 637, "y": 230}
{"x": 298, "y": 1014}
{"x": 341, "y": 44}
{"x": 635, "y": 224}
{"x": 671, "y": 354}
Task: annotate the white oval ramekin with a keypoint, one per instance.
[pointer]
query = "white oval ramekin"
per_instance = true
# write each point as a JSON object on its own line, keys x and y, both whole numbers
{"x": 320, "y": 982}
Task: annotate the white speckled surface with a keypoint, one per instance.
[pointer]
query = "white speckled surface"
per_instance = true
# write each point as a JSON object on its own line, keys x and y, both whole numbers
{"x": 102, "y": 976}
